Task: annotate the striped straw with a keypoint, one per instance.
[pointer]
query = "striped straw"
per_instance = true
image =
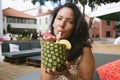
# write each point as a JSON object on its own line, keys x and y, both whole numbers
{"x": 58, "y": 36}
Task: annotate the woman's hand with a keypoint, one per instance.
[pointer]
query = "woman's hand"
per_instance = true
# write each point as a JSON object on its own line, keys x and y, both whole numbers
{"x": 55, "y": 72}
{"x": 45, "y": 75}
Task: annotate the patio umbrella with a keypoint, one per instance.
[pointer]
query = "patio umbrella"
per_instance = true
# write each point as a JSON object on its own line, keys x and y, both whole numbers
{"x": 107, "y": 12}
{"x": 113, "y": 16}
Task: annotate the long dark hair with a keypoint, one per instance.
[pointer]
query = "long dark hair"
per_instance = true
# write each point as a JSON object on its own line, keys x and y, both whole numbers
{"x": 80, "y": 33}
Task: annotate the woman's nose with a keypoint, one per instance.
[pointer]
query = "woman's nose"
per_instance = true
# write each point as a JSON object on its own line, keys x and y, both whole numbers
{"x": 59, "y": 28}
{"x": 62, "y": 23}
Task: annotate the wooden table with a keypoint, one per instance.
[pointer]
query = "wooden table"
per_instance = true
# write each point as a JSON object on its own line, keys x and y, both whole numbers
{"x": 34, "y": 61}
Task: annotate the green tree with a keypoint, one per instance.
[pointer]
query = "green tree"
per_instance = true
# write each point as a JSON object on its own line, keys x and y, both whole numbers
{"x": 90, "y": 3}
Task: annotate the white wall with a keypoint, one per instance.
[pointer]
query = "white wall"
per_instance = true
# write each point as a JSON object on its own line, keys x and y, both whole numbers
{"x": 1, "y": 20}
{"x": 18, "y": 25}
{"x": 29, "y": 26}
{"x": 43, "y": 27}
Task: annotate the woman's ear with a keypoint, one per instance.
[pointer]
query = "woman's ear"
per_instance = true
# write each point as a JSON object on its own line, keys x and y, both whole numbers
{"x": 53, "y": 25}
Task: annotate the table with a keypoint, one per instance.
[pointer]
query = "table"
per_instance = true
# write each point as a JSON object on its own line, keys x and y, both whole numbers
{"x": 34, "y": 61}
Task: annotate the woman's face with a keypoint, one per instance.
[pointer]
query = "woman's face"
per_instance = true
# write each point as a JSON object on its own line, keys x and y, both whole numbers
{"x": 64, "y": 22}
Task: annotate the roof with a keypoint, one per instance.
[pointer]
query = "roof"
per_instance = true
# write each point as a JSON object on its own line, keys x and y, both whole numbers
{"x": 43, "y": 14}
{"x": 15, "y": 13}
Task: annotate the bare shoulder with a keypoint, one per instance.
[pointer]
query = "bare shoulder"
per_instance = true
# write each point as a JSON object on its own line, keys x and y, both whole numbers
{"x": 87, "y": 54}
{"x": 87, "y": 51}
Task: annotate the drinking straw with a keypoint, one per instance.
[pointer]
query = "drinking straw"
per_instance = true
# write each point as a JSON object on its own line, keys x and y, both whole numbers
{"x": 58, "y": 36}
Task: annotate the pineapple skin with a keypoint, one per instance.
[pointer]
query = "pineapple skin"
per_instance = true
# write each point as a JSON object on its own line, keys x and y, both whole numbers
{"x": 54, "y": 56}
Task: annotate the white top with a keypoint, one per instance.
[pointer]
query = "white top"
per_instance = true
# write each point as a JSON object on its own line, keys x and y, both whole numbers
{"x": 117, "y": 41}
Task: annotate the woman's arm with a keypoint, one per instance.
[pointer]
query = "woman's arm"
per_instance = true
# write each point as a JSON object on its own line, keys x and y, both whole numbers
{"x": 44, "y": 75}
{"x": 86, "y": 65}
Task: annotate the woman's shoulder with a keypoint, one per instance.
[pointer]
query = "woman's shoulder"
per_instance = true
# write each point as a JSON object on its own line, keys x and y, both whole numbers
{"x": 87, "y": 49}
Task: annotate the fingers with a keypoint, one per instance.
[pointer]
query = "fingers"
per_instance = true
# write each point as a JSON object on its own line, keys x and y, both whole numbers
{"x": 52, "y": 71}
{"x": 49, "y": 71}
{"x": 67, "y": 64}
{"x": 55, "y": 72}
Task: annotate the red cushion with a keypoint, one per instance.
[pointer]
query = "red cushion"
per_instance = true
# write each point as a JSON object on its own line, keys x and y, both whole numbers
{"x": 109, "y": 71}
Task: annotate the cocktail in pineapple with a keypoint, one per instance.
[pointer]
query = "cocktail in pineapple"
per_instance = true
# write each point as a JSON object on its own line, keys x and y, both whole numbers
{"x": 54, "y": 54}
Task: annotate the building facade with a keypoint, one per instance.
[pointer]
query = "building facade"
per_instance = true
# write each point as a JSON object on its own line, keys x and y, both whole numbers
{"x": 1, "y": 20}
{"x": 43, "y": 21}
{"x": 103, "y": 29}
{"x": 108, "y": 29}
{"x": 17, "y": 19}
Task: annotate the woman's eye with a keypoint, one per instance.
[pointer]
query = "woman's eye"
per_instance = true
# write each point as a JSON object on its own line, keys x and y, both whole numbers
{"x": 71, "y": 22}
{"x": 59, "y": 18}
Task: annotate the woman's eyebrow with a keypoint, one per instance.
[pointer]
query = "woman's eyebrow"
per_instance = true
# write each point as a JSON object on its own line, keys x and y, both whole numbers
{"x": 67, "y": 17}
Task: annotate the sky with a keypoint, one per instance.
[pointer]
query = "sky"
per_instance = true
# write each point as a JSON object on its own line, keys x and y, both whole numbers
{"x": 20, "y": 5}
{"x": 17, "y": 4}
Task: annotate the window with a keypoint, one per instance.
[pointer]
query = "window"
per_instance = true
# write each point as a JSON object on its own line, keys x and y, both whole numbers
{"x": 46, "y": 20}
{"x": 108, "y": 33}
{"x": 25, "y": 0}
{"x": 107, "y": 23}
{"x": 9, "y": 19}
{"x": 40, "y": 21}
{"x": 24, "y": 20}
{"x": 32, "y": 21}
{"x": 14, "y": 20}
{"x": 3, "y": 19}
{"x": 18, "y": 20}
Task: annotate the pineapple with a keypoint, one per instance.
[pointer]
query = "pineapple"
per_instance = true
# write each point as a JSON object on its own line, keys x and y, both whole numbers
{"x": 54, "y": 55}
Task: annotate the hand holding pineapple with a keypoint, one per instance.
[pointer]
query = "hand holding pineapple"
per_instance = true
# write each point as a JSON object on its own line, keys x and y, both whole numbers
{"x": 54, "y": 54}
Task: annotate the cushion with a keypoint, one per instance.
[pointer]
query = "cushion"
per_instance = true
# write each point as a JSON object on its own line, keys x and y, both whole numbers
{"x": 14, "y": 48}
{"x": 109, "y": 71}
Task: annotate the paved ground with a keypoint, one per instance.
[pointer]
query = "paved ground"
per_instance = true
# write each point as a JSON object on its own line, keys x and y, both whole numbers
{"x": 104, "y": 41}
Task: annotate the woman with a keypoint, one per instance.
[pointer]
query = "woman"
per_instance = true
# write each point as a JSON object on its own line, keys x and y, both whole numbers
{"x": 80, "y": 63}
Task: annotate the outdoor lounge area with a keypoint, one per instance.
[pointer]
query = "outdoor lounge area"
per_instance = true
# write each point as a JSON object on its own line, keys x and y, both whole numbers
{"x": 20, "y": 63}
{"x": 18, "y": 51}
{"x": 103, "y": 53}
{"x": 21, "y": 60}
